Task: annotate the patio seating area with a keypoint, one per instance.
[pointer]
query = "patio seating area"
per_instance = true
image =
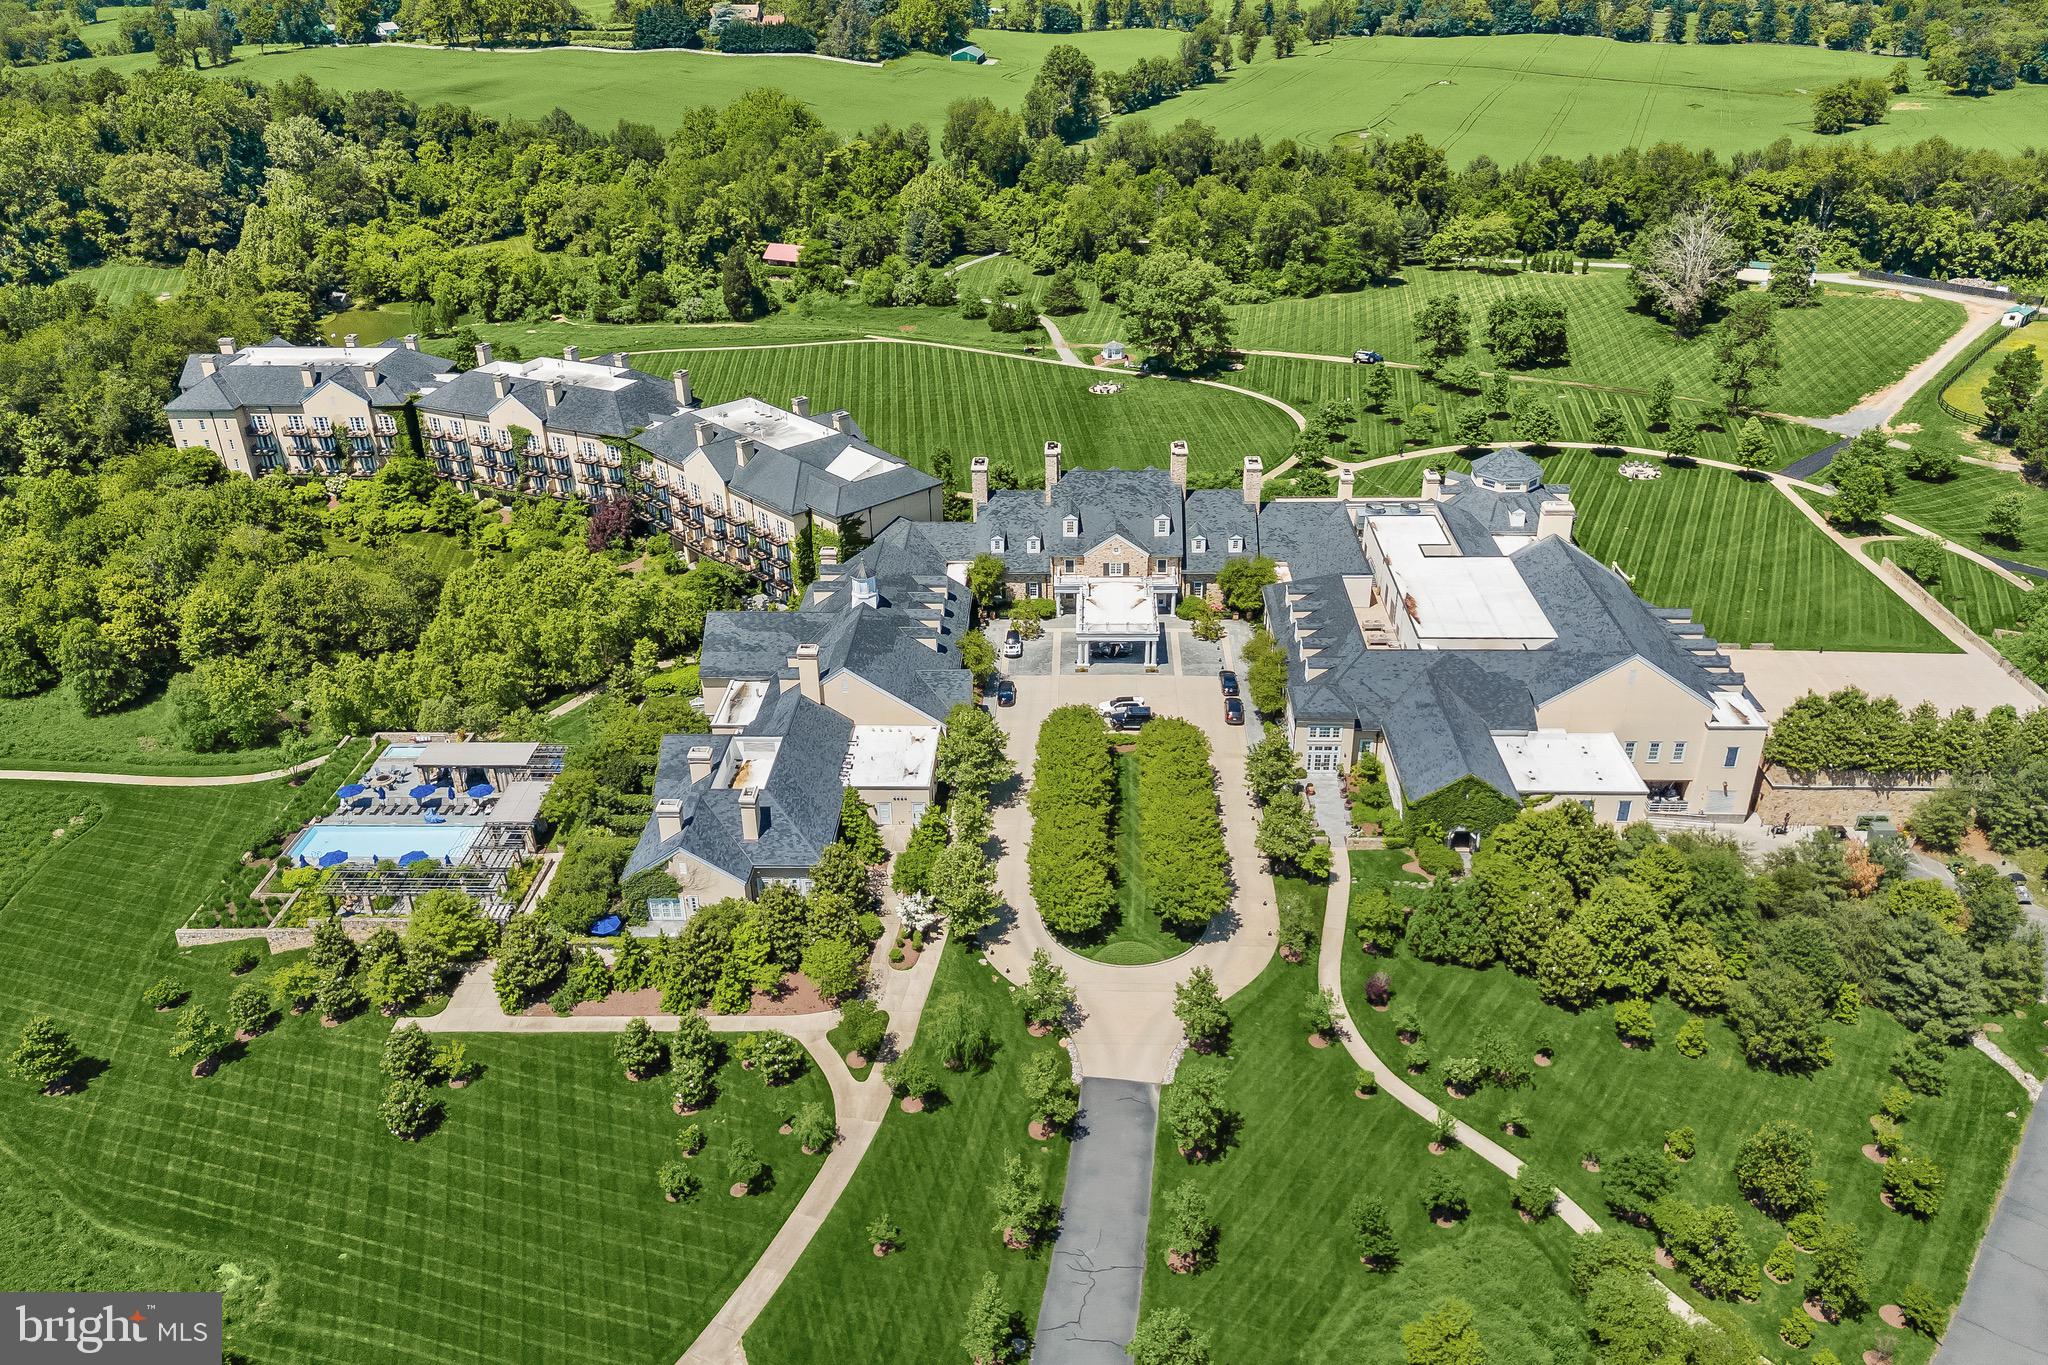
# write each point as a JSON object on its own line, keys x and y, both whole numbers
{"x": 1640, "y": 469}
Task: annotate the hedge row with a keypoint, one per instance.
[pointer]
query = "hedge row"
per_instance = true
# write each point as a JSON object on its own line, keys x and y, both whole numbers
{"x": 1180, "y": 833}
{"x": 1849, "y": 731}
{"x": 1073, "y": 801}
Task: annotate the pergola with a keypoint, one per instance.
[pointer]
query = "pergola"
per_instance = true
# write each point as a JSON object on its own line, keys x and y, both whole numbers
{"x": 1113, "y": 611}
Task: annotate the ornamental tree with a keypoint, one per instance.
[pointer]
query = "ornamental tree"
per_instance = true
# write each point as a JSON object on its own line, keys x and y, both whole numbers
{"x": 1372, "y": 1232}
{"x": 1046, "y": 997}
{"x": 1024, "y": 1216}
{"x": 1774, "y": 1168}
{"x": 971, "y": 756}
{"x": 201, "y": 1039}
{"x": 46, "y": 1057}
{"x": 408, "y": 1112}
{"x": 1914, "y": 1183}
{"x": 813, "y": 1127}
{"x": 992, "y": 1324}
{"x": 1709, "y": 1246}
{"x": 1191, "y": 1228}
{"x": 1534, "y": 1192}
{"x": 638, "y": 1051}
{"x": 1446, "y": 1335}
{"x": 1049, "y": 1090}
{"x": 407, "y": 1052}
{"x": 1204, "y": 1020}
{"x": 1443, "y": 1195}
{"x": 1195, "y": 1111}
{"x": 1166, "y": 1337}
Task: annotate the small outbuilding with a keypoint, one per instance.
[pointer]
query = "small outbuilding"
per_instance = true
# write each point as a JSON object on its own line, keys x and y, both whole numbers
{"x": 1113, "y": 353}
{"x": 970, "y": 53}
{"x": 780, "y": 253}
{"x": 2019, "y": 315}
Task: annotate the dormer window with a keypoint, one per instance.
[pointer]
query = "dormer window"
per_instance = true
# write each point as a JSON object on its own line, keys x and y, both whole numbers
{"x": 1517, "y": 518}
{"x": 1237, "y": 544}
{"x": 1200, "y": 544}
{"x": 997, "y": 544}
{"x": 1034, "y": 545}
{"x": 1071, "y": 526}
{"x": 1162, "y": 525}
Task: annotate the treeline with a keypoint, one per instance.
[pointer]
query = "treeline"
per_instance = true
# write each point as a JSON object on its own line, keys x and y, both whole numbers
{"x": 1849, "y": 731}
{"x": 1073, "y": 812}
{"x": 485, "y": 21}
{"x": 1782, "y": 951}
{"x": 1180, "y": 832}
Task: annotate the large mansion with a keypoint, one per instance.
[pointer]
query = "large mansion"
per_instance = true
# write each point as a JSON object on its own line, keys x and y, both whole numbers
{"x": 738, "y": 482}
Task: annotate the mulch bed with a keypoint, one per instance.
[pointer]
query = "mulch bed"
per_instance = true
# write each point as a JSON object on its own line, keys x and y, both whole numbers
{"x": 1039, "y": 1132}
{"x": 1038, "y": 1030}
{"x": 910, "y": 956}
{"x": 1318, "y": 1040}
{"x": 1893, "y": 1315}
{"x": 617, "y": 1005}
{"x": 1180, "y": 1262}
{"x": 1590, "y": 1166}
{"x": 1665, "y": 1259}
{"x": 911, "y": 1104}
{"x": 856, "y": 1061}
{"x": 1818, "y": 1313}
{"x": 1870, "y": 1153}
{"x": 1445, "y": 1222}
{"x": 1542, "y": 1059}
{"x": 738, "y": 1191}
{"x": 1437, "y": 1149}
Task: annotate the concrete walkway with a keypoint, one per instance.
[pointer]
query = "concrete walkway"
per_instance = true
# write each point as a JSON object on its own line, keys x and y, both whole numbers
{"x": 1090, "y": 1308}
{"x": 156, "y": 780}
{"x": 1066, "y": 353}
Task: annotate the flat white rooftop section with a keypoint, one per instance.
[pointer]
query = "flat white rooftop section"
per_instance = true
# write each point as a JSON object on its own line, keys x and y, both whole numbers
{"x": 891, "y": 756}
{"x": 518, "y": 804}
{"x": 1735, "y": 708}
{"x": 460, "y": 753}
{"x": 582, "y": 374}
{"x": 295, "y": 356}
{"x": 1457, "y": 597}
{"x": 1559, "y": 762}
{"x": 853, "y": 464}
{"x": 771, "y": 426}
{"x": 741, "y": 702}
{"x": 1116, "y": 606}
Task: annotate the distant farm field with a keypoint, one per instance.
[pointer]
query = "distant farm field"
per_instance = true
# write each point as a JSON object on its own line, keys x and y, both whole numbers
{"x": 916, "y": 400}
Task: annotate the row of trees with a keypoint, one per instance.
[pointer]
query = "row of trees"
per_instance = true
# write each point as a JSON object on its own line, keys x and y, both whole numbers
{"x": 1180, "y": 831}
{"x": 1073, "y": 812}
{"x": 1849, "y": 731}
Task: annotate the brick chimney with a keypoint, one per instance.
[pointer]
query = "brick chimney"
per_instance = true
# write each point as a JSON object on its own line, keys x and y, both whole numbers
{"x": 800, "y": 405}
{"x": 977, "y": 480}
{"x": 1177, "y": 465}
{"x": 1254, "y": 480}
{"x": 1052, "y": 468}
{"x": 483, "y": 353}
{"x": 700, "y": 762}
{"x": 805, "y": 663}
{"x": 750, "y": 815}
{"x": 684, "y": 397}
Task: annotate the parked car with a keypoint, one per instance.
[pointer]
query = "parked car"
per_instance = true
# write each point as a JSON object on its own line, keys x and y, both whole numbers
{"x": 1013, "y": 645}
{"x": 1116, "y": 704}
{"x": 1366, "y": 357}
{"x": 1229, "y": 681}
{"x": 1233, "y": 711}
{"x": 1130, "y": 718}
{"x": 1006, "y": 692}
{"x": 2019, "y": 887}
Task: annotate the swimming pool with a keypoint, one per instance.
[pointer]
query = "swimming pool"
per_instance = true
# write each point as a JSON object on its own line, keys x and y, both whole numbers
{"x": 401, "y": 752}
{"x": 370, "y": 843}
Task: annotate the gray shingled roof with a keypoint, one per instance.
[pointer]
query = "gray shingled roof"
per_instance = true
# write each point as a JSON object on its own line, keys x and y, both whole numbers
{"x": 1508, "y": 466}
{"x": 400, "y": 375}
{"x": 1103, "y": 503}
{"x": 795, "y": 478}
{"x": 1217, "y": 514}
{"x": 616, "y": 413}
{"x": 1314, "y": 539}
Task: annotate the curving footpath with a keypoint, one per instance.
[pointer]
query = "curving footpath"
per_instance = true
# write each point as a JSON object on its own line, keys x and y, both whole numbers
{"x": 158, "y": 780}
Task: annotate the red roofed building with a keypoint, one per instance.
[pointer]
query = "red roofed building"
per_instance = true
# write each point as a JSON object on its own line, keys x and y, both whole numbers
{"x": 780, "y": 253}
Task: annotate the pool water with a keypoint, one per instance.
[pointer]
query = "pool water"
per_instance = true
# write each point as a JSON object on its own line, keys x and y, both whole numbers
{"x": 366, "y": 843}
{"x": 400, "y": 752}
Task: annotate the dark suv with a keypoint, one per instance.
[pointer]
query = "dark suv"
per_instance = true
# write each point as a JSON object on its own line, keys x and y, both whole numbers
{"x": 1229, "y": 681}
{"x": 1130, "y": 718}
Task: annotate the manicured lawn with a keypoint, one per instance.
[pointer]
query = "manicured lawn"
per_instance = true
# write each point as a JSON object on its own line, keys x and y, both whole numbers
{"x": 1137, "y": 935}
{"x": 1287, "y": 1281}
{"x": 1956, "y": 507}
{"x": 527, "y": 1227}
{"x": 371, "y": 325}
{"x": 1966, "y": 391}
{"x": 930, "y": 1174}
{"x": 2021, "y": 1035}
{"x": 117, "y": 282}
{"x": 916, "y": 400}
{"x": 47, "y": 731}
{"x": 1601, "y": 1097}
{"x": 1985, "y": 601}
{"x": 1306, "y": 383}
{"x": 1734, "y": 551}
{"x": 1854, "y": 342}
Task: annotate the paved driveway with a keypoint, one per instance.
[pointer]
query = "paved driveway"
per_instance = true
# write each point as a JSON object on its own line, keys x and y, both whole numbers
{"x": 1780, "y": 677}
{"x": 1090, "y": 1309}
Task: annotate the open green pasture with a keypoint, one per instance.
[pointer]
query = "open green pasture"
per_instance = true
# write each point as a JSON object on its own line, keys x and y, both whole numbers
{"x": 1955, "y": 507}
{"x": 1985, "y": 601}
{"x": 527, "y": 1227}
{"x": 48, "y": 732}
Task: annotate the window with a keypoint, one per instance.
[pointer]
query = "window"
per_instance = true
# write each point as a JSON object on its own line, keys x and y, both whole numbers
{"x": 695, "y": 496}
{"x": 1656, "y": 748}
{"x": 1678, "y": 751}
{"x": 1071, "y": 526}
{"x": 996, "y": 544}
{"x": 1116, "y": 570}
{"x": 260, "y": 424}
{"x": 1621, "y": 811}
{"x": 1325, "y": 732}
{"x": 322, "y": 426}
{"x": 1034, "y": 544}
{"x": 558, "y": 445}
{"x": 1200, "y": 544}
{"x": 386, "y": 424}
{"x": 1162, "y": 526}
{"x": 295, "y": 424}
{"x": 1158, "y": 566}
{"x": 359, "y": 425}
{"x": 1629, "y": 749}
{"x": 1237, "y": 544}
{"x": 590, "y": 447}
{"x": 1031, "y": 589}
{"x": 1588, "y": 805}
{"x": 1732, "y": 757}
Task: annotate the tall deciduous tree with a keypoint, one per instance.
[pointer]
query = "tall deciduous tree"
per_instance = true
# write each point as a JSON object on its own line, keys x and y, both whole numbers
{"x": 1174, "y": 308}
{"x": 1686, "y": 263}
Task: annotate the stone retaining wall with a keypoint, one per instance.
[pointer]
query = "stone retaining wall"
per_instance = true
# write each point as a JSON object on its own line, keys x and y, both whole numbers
{"x": 1836, "y": 799}
{"x": 284, "y": 940}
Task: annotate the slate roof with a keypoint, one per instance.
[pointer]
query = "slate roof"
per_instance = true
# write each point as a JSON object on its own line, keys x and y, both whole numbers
{"x": 1508, "y": 466}
{"x": 617, "y": 412}
{"x": 1217, "y": 514}
{"x": 794, "y": 475}
{"x": 1103, "y": 503}
{"x": 1314, "y": 539}
{"x": 243, "y": 381}
{"x": 799, "y": 805}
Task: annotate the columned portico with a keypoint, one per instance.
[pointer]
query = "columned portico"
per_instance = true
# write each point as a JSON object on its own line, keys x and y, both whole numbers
{"x": 1114, "y": 611}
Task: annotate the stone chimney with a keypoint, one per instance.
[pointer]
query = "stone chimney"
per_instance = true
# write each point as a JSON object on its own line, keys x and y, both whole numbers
{"x": 700, "y": 762}
{"x": 348, "y": 340}
{"x": 1177, "y": 465}
{"x": 1555, "y": 517}
{"x": 412, "y": 341}
{"x": 828, "y": 557}
{"x": 500, "y": 385}
{"x": 668, "y": 817}
{"x": 1347, "y": 480}
{"x": 800, "y": 405}
{"x": 744, "y": 449}
{"x": 554, "y": 392}
{"x": 572, "y": 353}
{"x": 750, "y": 815}
{"x": 703, "y": 434}
{"x": 805, "y": 663}
{"x": 1433, "y": 484}
{"x": 370, "y": 376}
{"x": 208, "y": 365}
{"x": 483, "y": 353}
{"x": 840, "y": 421}
{"x": 1254, "y": 480}
{"x": 977, "y": 480}
{"x": 307, "y": 377}
{"x": 225, "y": 345}
{"x": 684, "y": 397}
{"x": 617, "y": 359}
{"x": 1052, "y": 468}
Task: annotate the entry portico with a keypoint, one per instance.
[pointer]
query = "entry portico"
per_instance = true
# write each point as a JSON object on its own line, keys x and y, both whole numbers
{"x": 1114, "y": 611}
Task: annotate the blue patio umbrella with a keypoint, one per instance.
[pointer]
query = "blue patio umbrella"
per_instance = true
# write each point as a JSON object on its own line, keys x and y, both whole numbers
{"x": 606, "y": 927}
{"x": 432, "y": 819}
{"x": 481, "y": 790}
{"x": 333, "y": 856}
{"x": 351, "y": 791}
{"x": 408, "y": 859}
{"x": 423, "y": 791}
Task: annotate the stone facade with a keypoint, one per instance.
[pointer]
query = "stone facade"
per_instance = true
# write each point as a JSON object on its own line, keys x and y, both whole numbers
{"x": 1837, "y": 799}
{"x": 285, "y": 940}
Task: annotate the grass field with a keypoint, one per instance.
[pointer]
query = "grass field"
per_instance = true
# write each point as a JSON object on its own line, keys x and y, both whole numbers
{"x": 1137, "y": 935}
{"x": 1955, "y": 507}
{"x": 1789, "y": 585}
{"x": 930, "y": 1174}
{"x": 1303, "y": 384}
{"x": 2020, "y": 1036}
{"x": 119, "y": 281}
{"x": 47, "y": 731}
{"x": 1966, "y": 391}
{"x": 527, "y": 1227}
{"x": 1856, "y": 341}
{"x": 1285, "y": 1270}
{"x": 1600, "y": 1097}
{"x": 1509, "y": 98}
{"x": 914, "y": 400}
{"x": 1985, "y": 601}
